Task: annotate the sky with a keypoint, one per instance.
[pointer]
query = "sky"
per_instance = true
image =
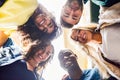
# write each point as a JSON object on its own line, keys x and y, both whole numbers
{"x": 53, "y": 71}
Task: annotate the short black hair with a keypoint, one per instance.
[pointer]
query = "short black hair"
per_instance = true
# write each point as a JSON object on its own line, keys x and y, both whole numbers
{"x": 66, "y": 24}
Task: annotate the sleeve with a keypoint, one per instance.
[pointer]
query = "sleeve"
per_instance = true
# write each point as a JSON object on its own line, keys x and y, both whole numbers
{"x": 91, "y": 74}
{"x": 16, "y": 12}
{"x": 105, "y": 3}
{"x": 9, "y": 54}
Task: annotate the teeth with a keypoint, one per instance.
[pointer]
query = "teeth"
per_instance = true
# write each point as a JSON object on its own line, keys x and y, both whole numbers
{"x": 42, "y": 22}
{"x": 84, "y": 36}
{"x": 40, "y": 57}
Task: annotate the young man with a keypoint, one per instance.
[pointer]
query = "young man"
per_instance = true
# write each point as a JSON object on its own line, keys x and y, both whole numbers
{"x": 71, "y": 13}
{"x": 68, "y": 61}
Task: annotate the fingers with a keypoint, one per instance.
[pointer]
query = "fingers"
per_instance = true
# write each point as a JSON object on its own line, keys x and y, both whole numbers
{"x": 63, "y": 53}
{"x": 65, "y": 77}
{"x": 67, "y": 58}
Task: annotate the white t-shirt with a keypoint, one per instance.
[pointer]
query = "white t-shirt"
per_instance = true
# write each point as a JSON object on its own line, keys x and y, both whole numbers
{"x": 111, "y": 42}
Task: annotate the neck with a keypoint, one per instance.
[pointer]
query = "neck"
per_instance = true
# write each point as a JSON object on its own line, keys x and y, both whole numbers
{"x": 97, "y": 37}
{"x": 31, "y": 65}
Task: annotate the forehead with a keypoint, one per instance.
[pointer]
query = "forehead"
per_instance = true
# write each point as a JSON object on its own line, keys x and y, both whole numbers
{"x": 70, "y": 1}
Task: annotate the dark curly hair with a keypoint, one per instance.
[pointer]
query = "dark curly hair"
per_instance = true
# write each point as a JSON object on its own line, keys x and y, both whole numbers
{"x": 36, "y": 47}
{"x": 30, "y": 28}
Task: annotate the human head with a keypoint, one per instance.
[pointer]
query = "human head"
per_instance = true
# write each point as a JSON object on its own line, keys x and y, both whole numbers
{"x": 83, "y": 34}
{"x": 44, "y": 20}
{"x": 40, "y": 52}
{"x": 42, "y": 17}
{"x": 71, "y": 13}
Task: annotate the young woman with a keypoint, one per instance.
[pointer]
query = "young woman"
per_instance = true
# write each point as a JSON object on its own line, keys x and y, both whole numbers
{"x": 33, "y": 62}
{"x": 33, "y": 19}
{"x": 41, "y": 25}
{"x": 91, "y": 41}
{"x": 86, "y": 34}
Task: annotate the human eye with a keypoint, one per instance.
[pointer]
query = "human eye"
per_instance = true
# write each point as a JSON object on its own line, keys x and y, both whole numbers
{"x": 50, "y": 25}
{"x": 48, "y": 53}
{"x": 76, "y": 38}
{"x": 66, "y": 14}
{"x": 75, "y": 18}
{"x": 45, "y": 30}
{"x": 43, "y": 48}
{"x": 77, "y": 31}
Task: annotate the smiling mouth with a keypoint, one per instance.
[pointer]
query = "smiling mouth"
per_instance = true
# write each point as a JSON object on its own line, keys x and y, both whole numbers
{"x": 83, "y": 38}
{"x": 43, "y": 21}
{"x": 40, "y": 57}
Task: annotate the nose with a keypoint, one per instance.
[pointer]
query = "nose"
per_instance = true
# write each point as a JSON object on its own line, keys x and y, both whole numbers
{"x": 71, "y": 13}
{"x": 45, "y": 25}
{"x": 78, "y": 35}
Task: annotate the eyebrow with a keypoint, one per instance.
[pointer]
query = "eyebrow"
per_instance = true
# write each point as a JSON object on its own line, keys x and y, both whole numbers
{"x": 51, "y": 23}
{"x": 75, "y": 17}
{"x": 65, "y": 14}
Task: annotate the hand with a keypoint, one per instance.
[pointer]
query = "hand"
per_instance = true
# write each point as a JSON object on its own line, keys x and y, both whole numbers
{"x": 65, "y": 77}
{"x": 68, "y": 61}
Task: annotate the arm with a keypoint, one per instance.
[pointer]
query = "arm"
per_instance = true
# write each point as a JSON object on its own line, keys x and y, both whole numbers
{"x": 68, "y": 62}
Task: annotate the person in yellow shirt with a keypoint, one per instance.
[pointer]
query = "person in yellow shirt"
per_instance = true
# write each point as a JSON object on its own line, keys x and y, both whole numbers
{"x": 16, "y": 12}
{"x": 12, "y": 14}
{"x": 30, "y": 18}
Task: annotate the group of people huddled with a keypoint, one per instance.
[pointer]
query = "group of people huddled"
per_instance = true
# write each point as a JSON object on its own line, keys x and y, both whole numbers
{"x": 25, "y": 55}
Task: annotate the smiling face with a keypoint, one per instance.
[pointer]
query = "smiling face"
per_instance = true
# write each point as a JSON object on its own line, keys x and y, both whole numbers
{"x": 82, "y": 36}
{"x": 71, "y": 12}
{"x": 44, "y": 23}
{"x": 43, "y": 54}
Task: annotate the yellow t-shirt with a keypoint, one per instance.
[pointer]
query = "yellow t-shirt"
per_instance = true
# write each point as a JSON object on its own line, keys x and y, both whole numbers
{"x": 16, "y": 12}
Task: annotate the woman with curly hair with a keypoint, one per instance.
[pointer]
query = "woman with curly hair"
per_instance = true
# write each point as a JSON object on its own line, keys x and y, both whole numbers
{"x": 31, "y": 65}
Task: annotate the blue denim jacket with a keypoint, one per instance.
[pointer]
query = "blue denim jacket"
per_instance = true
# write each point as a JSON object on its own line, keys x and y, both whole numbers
{"x": 90, "y": 74}
{"x": 9, "y": 53}
{"x": 105, "y": 3}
